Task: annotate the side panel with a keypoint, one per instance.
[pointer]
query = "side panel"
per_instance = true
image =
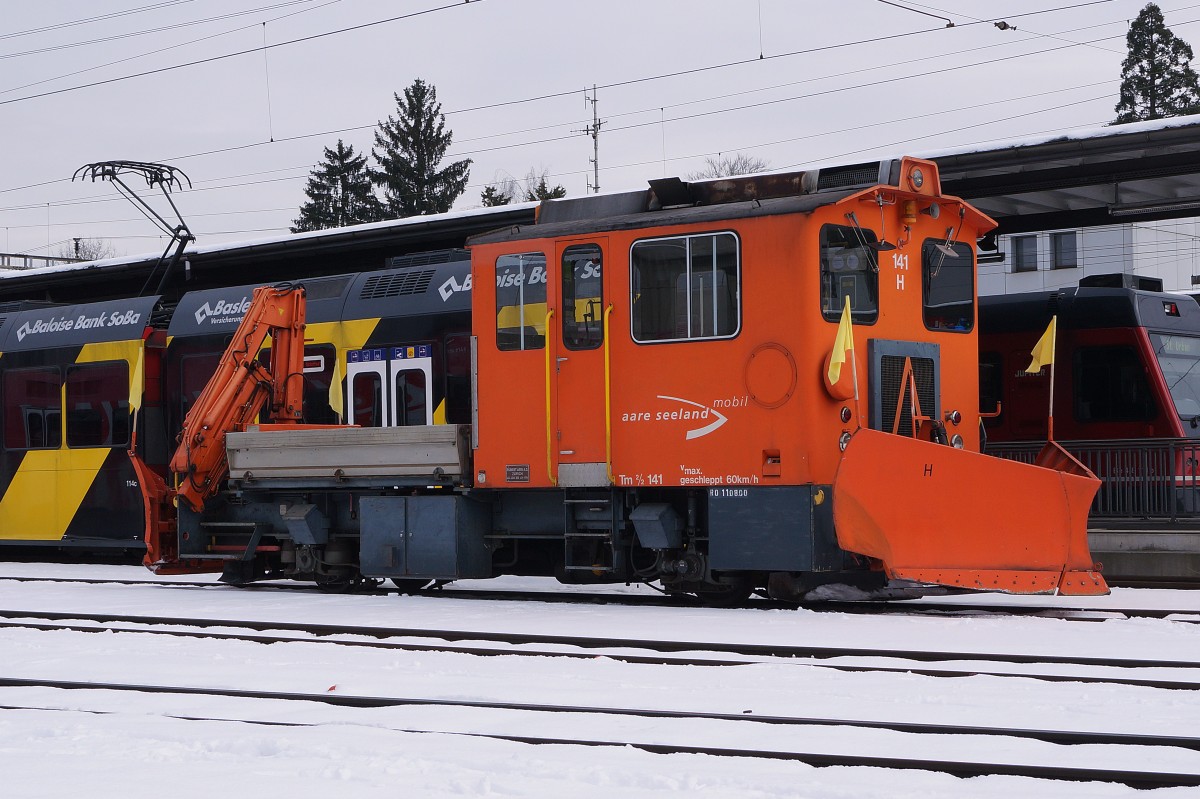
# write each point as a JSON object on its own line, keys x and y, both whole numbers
{"x": 437, "y": 537}
{"x": 772, "y": 529}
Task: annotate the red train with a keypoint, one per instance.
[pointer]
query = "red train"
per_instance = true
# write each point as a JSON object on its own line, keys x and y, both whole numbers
{"x": 1126, "y": 403}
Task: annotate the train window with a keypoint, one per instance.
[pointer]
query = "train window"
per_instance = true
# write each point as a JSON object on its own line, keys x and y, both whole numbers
{"x": 849, "y": 269}
{"x": 411, "y": 397}
{"x": 194, "y": 373}
{"x": 686, "y": 288}
{"x": 33, "y": 408}
{"x": 368, "y": 400}
{"x": 521, "y": 301}
{"x": 582, "y": 298}
{"x": 318, "y": 375}
{"x": 98, "y": 404}
{"x": 948, "y": 286}
{"x": 457, "y": 354}
{"x": 1111, "y": 386}
{"x": 1179, "y": 357}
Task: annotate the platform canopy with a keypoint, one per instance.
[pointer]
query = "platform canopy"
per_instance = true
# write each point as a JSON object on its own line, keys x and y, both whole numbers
{"x": 1100, "y": 176}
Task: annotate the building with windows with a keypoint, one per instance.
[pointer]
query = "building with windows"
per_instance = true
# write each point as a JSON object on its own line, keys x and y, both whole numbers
{"x": 1168, "y": 250}
{"x": 1115, "y": 199}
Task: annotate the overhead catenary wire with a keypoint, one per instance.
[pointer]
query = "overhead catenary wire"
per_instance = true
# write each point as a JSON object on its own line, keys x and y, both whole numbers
{"x": 610, "y": 166}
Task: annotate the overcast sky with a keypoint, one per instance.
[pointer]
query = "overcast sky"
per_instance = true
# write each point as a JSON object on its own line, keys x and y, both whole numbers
{"x": 793, "y": 82}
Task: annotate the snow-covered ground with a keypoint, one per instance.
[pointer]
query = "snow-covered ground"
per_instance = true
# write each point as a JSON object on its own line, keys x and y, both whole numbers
{"x": 122, "y": 745}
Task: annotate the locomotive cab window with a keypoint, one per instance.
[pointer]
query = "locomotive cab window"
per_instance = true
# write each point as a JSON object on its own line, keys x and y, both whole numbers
{"x": 686, "y": 288}
{"x": 98, "y": 405}
{"x": 582, "y": 298}
{"x": 849, "y": 269}
{"x": 1179, "y": 358}
{"x": 521, "y": 301}
{"x": 948, "y": 286}
{"x": 33, "y": 408}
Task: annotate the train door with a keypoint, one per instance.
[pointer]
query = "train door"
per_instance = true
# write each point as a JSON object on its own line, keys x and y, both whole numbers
{"x": 390, "y": 386}
{"x": 410, "y": 372}
{"x": 578, "y": 338}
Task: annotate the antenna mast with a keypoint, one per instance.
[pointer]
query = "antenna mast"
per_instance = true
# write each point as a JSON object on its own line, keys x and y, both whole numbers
{"x": 593, "y": 130}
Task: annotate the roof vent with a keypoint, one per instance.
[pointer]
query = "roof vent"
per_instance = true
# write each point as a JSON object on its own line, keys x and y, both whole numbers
{"x": 844, "y": 177}
{"x": 396, "y": 284}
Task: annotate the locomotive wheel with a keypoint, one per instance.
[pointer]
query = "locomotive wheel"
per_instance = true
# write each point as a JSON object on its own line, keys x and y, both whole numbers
{"x": 727, "y": 595}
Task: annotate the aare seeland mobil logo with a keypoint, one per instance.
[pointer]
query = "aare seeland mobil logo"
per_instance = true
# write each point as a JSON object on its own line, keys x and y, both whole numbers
{"x": 700, "y": 419}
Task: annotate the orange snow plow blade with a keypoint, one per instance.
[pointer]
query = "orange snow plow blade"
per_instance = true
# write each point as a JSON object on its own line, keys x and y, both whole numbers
{"x": 934, "y": 514}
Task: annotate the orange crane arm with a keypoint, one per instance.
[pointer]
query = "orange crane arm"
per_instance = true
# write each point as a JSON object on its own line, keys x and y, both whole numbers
{"x": 237, "y": 393}
{"x": 241, "y": 389}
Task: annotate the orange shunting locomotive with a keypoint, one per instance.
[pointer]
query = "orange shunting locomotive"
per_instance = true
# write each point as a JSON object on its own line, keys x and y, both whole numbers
{"x": 743, "y": 384}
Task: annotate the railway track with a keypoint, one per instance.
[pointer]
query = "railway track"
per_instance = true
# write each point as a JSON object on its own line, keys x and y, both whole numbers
{"x": 1120, "y": 671}
{"x": 987, "y": 738}
{"x": 925, "y": 607}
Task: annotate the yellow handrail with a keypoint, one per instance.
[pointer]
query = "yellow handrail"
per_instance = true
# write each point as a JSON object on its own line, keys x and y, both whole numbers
{"x": 549, "y": 439}
{"x": 607, "y": 399}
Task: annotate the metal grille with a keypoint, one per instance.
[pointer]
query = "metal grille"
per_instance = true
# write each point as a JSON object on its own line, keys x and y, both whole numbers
{"x": 428, "y": 258}
{"x": 855, "y": 175}
{"x": 891, "y": 371}
{"x": 1157, "y": 479}
{"x": 396, "y": 284}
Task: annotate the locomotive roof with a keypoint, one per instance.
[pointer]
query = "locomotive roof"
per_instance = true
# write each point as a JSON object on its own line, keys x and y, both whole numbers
{"x": 1085, "y": 307}
{"x": 628, "y": 218}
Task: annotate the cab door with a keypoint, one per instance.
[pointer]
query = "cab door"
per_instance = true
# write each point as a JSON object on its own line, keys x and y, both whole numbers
{"x": 578, "y": 331}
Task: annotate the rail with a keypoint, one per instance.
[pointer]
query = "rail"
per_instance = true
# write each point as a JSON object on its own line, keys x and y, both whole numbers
{"x": 1141, "y": 479}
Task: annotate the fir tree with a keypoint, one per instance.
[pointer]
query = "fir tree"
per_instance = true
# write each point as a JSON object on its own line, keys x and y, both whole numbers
{"x": 1157, "y": 79}
{"x": 491, "y": 196}
{"x": 508, "y": 189}
{"x": 339, "y": 193}
{"x": 409, "y": 148}
{"x": 541, "y": 191}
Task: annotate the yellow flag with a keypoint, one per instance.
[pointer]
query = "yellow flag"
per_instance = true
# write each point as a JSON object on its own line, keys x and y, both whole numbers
{"x": 1043, "y": 351}
{"x": 335, "y": 386}
{"x": 843, "y": 343}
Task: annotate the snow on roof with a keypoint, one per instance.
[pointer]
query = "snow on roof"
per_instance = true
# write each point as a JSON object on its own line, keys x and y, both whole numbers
{"x": 1078, "y": 134}
{"x": 193, "y": 249}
